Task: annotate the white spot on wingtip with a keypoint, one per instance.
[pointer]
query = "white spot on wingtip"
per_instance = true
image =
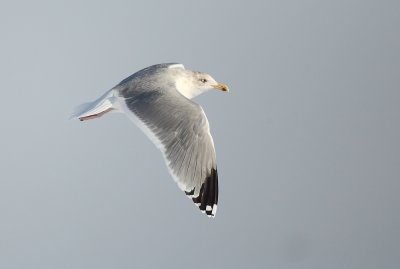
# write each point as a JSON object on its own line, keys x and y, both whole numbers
{"x": 208, "y": 208}
{"x": 214, "y": 210}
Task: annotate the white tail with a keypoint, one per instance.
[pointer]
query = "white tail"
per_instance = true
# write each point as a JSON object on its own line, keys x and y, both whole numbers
{"x": 86, "y": 111}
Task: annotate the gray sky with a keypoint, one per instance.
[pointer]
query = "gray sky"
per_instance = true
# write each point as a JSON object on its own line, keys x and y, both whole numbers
{"x": 307, "y": 140}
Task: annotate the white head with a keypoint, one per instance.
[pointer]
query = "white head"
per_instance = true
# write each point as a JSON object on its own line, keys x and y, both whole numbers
{"x": 191, "y": 83}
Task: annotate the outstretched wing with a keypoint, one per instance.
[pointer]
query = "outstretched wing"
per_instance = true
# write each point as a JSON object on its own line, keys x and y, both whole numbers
{"x": 180, "y": 129}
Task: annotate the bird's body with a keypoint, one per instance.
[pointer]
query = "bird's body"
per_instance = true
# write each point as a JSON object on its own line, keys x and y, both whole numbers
{"x": 157, "y": 100}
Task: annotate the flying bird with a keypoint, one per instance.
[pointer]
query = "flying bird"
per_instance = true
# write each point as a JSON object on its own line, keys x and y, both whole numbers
{"x": 158, "y": 100}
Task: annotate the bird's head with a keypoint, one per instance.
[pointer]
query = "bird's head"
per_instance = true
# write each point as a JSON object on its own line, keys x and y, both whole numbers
{"x": 206, "y": 82}
{"x": 192, "y": 83}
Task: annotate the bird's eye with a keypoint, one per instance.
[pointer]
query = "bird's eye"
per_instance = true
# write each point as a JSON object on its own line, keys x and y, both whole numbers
{"x": 203, "y": 80}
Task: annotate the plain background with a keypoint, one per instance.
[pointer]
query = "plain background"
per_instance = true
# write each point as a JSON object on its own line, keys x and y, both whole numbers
{"x": 307, "y": 140}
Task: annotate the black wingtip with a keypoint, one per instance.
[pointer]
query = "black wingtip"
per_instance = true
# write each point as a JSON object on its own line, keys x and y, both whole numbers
{"x": 208, "y": 195}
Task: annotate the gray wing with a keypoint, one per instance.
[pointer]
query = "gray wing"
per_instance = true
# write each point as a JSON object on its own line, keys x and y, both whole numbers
{"x": 180, "y": 129}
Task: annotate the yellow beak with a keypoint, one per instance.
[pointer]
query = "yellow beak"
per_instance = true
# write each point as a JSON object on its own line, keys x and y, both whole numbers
{"x": 221, "y": 87}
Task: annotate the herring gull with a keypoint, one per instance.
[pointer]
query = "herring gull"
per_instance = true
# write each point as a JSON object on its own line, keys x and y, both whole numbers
{"x": 158, "y": 100}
